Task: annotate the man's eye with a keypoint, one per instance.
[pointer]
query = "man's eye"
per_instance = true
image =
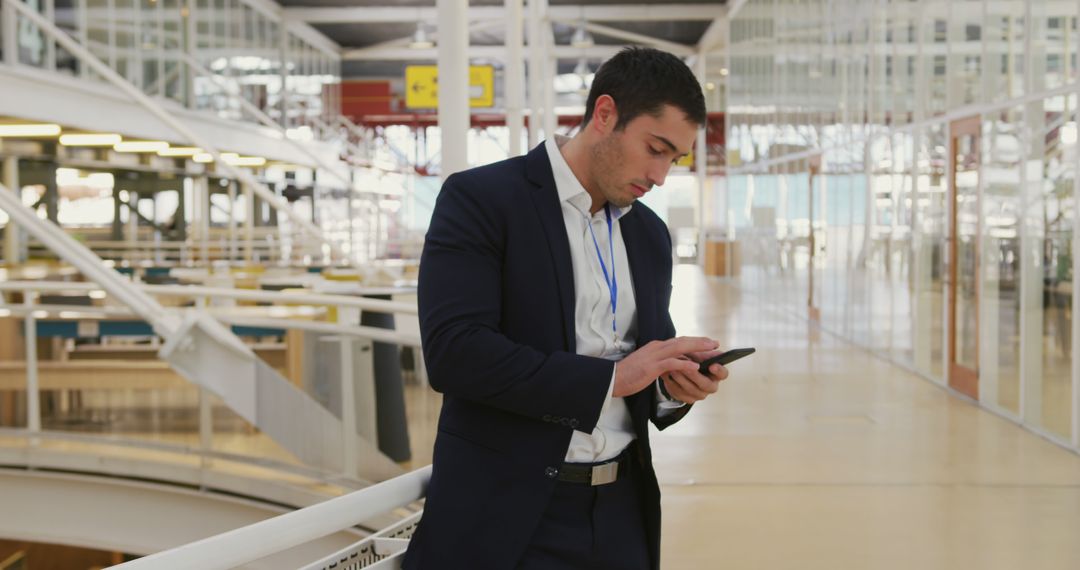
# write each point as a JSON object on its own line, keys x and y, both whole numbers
{"x": 654, "y": 152}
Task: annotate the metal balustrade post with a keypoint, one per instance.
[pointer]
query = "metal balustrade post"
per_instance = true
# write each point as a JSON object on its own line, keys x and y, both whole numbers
{"x": 33, "y": 396}
{"x": 206, "y": 417}
{"x": 348, "y": 407}
{"x": 206, "y": 428}
{"x": 12, "y": 236}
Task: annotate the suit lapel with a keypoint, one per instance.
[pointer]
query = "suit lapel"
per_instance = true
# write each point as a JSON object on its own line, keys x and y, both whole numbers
{"x": 642, "y": 273}
{"x": 545, "y": 198}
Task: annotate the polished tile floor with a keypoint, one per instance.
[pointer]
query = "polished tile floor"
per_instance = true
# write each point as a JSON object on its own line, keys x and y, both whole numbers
{"x": 816, "y": 454}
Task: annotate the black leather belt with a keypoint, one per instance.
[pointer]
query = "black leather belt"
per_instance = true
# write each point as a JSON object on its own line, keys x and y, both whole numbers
{"x": 597, "y": 473}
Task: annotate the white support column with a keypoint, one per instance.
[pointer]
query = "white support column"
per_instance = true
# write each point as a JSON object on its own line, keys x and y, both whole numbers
{"x": 453, "y": 85}
{"x": 50, "y": 45}
{"x": 551, "y": 69}
{"x": 10, "y": 32}
{"x": 536, "y": 16}
{"x": 82, "y": 26}
{"x": 514, "y": 74}
{"x": 12, "y": 244}
{"x": 1075, "y": 322}
{"x": 701, "y": 157}
{"x": 551, "y": 121}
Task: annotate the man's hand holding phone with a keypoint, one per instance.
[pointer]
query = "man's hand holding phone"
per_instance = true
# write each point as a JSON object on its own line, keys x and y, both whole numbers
{"x": 641, "y": 368}
{"x": 696, "y": 385}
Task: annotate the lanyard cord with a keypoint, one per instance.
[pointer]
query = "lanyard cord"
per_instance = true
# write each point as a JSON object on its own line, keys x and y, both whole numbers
{"x": 611, "y": 282}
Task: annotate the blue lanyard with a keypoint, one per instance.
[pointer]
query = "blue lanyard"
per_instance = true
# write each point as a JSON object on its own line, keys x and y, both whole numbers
{"x": 612, "y": 284}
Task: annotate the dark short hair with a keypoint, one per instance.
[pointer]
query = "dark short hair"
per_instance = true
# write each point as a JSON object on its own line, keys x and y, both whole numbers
{"x": 643, "y": 80}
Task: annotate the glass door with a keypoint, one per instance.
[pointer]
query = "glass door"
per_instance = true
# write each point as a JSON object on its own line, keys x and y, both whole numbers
{"x": 963, "y": 273}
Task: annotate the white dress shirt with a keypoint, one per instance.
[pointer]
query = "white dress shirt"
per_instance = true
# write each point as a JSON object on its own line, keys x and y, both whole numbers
{"x": 592, "y": 309}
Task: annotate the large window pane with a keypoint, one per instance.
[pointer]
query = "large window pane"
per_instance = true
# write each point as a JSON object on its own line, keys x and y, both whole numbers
{"x": 1000, "y": 303}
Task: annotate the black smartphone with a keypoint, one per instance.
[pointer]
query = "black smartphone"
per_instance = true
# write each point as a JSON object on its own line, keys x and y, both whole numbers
{"x": 725, "y": 358}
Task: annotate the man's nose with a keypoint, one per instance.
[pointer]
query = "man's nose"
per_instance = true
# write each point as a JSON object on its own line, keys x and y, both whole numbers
{"x": 658, "y": 174}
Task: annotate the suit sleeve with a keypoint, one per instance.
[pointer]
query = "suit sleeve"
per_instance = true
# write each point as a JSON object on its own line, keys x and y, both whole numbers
{"x": 671, "y": 415}
{"x": 460, "y": 295}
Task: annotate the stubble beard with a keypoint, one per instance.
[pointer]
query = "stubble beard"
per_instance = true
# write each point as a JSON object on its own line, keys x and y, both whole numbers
{"x": 607, "y": 161}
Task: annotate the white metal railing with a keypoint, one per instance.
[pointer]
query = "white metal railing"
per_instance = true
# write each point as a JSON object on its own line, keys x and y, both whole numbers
{"x": 84, "y": 55}
{"x": 206, "y": 353}
{"x": 32, "y": 311}
{"x": 253, "y": 542}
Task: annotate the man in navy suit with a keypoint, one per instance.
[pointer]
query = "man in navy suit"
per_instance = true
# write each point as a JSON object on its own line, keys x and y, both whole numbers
{"x": 544, "y": 292}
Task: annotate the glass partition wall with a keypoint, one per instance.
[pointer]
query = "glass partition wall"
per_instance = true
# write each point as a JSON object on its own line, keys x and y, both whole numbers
{"x": 181, "y": 51}
{"x": 929, "y": 149}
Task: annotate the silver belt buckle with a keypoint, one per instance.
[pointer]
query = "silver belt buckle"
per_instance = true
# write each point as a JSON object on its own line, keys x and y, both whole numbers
{"x": 606, "y": 473}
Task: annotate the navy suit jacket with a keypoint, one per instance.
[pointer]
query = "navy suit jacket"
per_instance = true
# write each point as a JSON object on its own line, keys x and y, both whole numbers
{"x": 496, "y": 302}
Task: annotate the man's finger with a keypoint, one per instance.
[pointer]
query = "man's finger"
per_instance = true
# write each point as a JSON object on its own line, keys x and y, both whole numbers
{"x": 688, "y": 345}
{"x": 688, "y": 386}
{"x": 703, "y": 356}
{"x": 718, "y": 372}
{"x": 702, "y": 382}
{"x": 674, "y": 365}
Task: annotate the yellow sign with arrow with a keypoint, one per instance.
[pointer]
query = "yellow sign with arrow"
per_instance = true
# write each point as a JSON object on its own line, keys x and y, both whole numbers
{"x": 422, "y": 86}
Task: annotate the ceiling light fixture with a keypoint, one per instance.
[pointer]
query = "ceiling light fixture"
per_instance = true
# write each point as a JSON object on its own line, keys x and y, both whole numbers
{"x": 244, "y": 160}
{"x": 29, "y": 130}
{"x": 89, "y": 139}
{"x": 140, "y": 146}
{"x": 180, "y": 151}
{"x": 420, "y": 39}
{"x": 581, "y": 38}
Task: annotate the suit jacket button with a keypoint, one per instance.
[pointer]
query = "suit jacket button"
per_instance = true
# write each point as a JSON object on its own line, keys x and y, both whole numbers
{"x": 547, "y": 417}
{"x": 551, "y": 472}
{"x": 573, "y": 423}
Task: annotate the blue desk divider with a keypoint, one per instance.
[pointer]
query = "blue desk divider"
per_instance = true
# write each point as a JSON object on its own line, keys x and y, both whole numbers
{"x": 70, "y": 329}
{"x": 157, "y": 271}
{"x": 240, "y": 330}
{"x": 129, "y": 271}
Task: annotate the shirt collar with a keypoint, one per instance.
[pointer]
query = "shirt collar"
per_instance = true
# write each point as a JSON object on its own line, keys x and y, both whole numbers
{"x": 568, "y": 185}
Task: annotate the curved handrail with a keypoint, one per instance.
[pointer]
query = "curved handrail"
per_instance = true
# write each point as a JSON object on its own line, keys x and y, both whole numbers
{"x": 252, "y": 542}
{"x": 398, "y": 307}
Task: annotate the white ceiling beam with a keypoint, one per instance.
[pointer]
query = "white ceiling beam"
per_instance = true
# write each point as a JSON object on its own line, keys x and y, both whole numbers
{"x": 673, "y": 47}
{"x": 598, "y": 13}
{"x": 394, "y": 53}
{"x": 306, "y": 32}
{"x": 733, "y": 8}
{"x": 713, "y": 37}
{"x": 477, "y": 26}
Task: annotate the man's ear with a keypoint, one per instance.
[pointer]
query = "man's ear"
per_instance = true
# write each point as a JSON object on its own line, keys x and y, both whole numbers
{"x": 605, "y": 115}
